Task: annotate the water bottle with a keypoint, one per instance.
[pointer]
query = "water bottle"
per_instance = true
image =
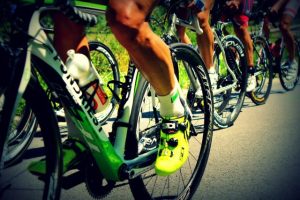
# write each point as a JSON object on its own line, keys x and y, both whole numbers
{"x": 81, "y": 69}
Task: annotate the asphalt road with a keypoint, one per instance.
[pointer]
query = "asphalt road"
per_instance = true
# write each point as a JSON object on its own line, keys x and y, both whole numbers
{"x": 257, "y": 158}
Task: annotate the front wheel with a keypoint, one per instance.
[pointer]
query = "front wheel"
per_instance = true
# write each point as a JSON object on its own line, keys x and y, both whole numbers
{"x": 145, "y": 121}
{"x": 232, "y": 81}
{"x": 263, "y": 71}
{"x": 21, "y": 132}
{"x": 17, "y": 181}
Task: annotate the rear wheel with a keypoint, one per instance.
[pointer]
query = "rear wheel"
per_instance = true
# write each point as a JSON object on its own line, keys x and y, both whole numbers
{"x": 263, "y": 71}
{"x": 146, "y": 127}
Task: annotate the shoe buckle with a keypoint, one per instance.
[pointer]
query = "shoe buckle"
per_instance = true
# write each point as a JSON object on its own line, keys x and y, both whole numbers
{"x": 170, "y": 127}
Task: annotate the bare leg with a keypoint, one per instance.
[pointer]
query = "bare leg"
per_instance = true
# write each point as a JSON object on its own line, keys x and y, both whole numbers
{"x": 285, "y": 27}
{"x": 182, "y": 13}
{"x": 65, "y": 40}
{"x": 182, "y": 35}
{"x": 245, "y": 37}
{"x": 127, "y": 21}
{"x": 206, "y": 40}
{"x": 149, "y": 52}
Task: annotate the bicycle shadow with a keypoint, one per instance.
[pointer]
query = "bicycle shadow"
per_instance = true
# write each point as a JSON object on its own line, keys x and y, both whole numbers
{"x": 77, "y": 177}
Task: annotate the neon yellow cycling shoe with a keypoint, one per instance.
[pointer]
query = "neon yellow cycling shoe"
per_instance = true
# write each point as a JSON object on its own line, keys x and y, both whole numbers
{"x": 173, "y": 147}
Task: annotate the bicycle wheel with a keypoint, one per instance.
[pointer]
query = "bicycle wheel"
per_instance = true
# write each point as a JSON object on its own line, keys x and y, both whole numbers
{"x": 228, "y": 103}
{"x": 289, "y": 82}
{"x": 108, "y": 70}
{"x": 263, "y": 71}
{"x": 21, "y": 133}
{"x": 16, "y": 181}
{"x": 145, "y": 125}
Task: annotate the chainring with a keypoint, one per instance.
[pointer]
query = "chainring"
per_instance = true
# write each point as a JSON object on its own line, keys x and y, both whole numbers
{"x": 97, "y": 186}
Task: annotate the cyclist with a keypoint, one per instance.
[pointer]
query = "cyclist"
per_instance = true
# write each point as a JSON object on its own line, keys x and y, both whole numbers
{"x": 127, "y": 19}
{"x": 287, "y": 10}
{"x": 205, "y": 41}
{"x": 239, "y": 10}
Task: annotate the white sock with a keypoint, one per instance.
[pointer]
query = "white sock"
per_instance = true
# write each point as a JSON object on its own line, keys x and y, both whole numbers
{"x": 211, "y": 70}
{"x": 170, "y": 105}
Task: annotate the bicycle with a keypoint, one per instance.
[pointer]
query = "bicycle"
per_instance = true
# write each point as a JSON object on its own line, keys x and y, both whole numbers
{"x": 229, "y": 59}
{"x": 121, "y": 155}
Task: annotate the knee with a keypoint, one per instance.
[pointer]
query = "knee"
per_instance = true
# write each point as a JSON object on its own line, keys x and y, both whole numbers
{"x": 124, "y": 20}
{"x": 203, "y": 19}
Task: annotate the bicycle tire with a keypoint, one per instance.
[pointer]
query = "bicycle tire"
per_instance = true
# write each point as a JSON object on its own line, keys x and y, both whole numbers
{"x": 49, "y": 182}
{"x": 264, "y": 68}
{"x": 101, "y": 61}
{"x": 227, "y": 106}
{"x": 21, "y": 137}
{"x": 144, "y": 186}
{"x": 288, "y": 84}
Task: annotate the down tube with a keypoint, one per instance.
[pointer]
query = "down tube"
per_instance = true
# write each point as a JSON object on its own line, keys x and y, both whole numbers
{"x": 85, "y": 123}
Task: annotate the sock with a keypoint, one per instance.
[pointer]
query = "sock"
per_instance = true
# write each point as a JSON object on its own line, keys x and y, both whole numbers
{"x": 170, "y": 105}
{"x": 211, "y": 70}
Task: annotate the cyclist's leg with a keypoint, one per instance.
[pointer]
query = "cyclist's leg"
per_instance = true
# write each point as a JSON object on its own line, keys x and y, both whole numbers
{"x": 289, "y": 14}
{"x": 150, "y": 53}
{"x": 127, "y": 21}
{"x": 206, "y": 40}
{"x": 69, "y": 35}
{"x": 244, "y": 35}
{"x": 183, "y": 37}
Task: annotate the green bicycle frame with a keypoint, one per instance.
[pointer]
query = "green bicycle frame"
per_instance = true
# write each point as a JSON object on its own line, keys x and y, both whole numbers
{"x": 82, "y": 124}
